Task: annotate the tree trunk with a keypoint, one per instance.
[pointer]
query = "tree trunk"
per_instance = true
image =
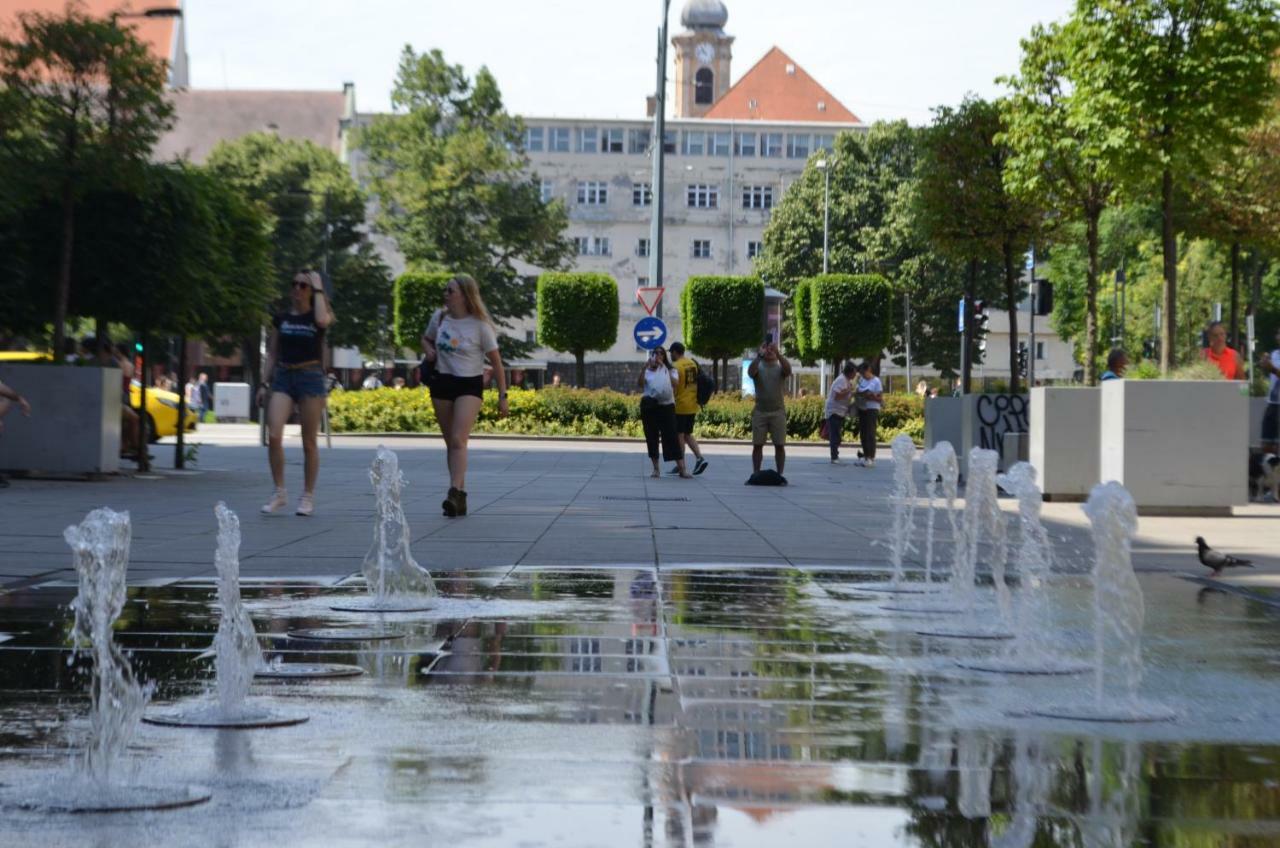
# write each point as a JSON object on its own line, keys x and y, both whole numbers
{"x": 1234, "y": 327}
{"x": 581, "y": 368}
{"x": 64, "y": 271}
{"x": 1011, "y": 301}
{"x": 1169, "y": 242}
{"x": 1091, "y": 301}
{"x": 966, "y": 336}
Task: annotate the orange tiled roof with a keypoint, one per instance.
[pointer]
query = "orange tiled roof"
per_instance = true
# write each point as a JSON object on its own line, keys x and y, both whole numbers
{"x": 770, "y": 92}
{"x": 156, "y": 33}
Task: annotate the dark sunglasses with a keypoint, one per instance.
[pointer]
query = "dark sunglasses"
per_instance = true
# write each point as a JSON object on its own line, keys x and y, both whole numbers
{"x": 301, "y": 284}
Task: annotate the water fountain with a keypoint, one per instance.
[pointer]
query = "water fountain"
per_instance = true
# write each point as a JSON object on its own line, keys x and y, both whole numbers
{"x": 237, "y": 655}
{"x": 395, "y": 581}
{"x": 1028, "y": 652}
{"x": 1118, "y": 613}
{"x": 903, "y": 502}
{"x": 982, "y": 520}
{"x": 100, "y": 548}
{"x": 1033, "y": 784}
{"x": 944, "y": 480}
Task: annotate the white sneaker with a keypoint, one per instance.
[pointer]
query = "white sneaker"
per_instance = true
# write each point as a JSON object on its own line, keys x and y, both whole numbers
{"x": 306, "y": 505}
{"x": 278, "y": 502}
{"x": 870, "y": 463}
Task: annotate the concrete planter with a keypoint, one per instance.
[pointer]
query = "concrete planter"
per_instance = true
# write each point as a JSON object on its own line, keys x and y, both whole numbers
{"x": 1179, "y": 447}
{"x": 942, "y": 421}
{"x": 1064, "y": 440}
{"x": 984, "y": 421}
{"x": 74, "y": 426}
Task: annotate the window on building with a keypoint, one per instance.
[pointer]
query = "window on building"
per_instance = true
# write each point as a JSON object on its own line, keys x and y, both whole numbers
{"x": 744, "y": 144}
{"x": 546, "y": 190}
{"x": 718, "y": 144}
{"x": 641, "y": 194}
{"x": 824, "y": 141}
{"x": 703, "y": 196}
{"x": 757, "y": 197}
{"x": 1039, "y": 350}
{"x": 668, "y": 141}
{"x": 593, "y": 193}
{"x": 642, "y": 248}
{"x": 530, "y": 337}
{"x": 558, "y": 140}
{"x": 588, "y": 139}
{"x": 798, "y": 145}
{"x": 533, "y": 139}
{"x": 592, "y": 245}
{"x": 703, "y": 86}
{"x": 638, "y": 141}
{"x": 771, "y": 145}
{"x": 754, "y": 249}
{"x": 611, "y": 140}
{"x": 695, "y": 143}
{"x": 702, "y": 248}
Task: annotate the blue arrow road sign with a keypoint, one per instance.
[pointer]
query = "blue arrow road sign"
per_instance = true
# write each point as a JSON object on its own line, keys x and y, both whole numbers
{"x": 650, "y": 332}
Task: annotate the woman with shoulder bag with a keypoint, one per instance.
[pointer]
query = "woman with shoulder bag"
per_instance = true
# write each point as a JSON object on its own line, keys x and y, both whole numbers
{"x": 658, "y": 411}
{"x": 457, "y": 343}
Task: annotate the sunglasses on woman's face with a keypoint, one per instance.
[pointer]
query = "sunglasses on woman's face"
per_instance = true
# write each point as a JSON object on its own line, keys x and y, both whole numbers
{"x": 301, "y": 284}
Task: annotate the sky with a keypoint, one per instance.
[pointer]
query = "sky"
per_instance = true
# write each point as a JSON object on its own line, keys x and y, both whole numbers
{"x": 595, "y": 58}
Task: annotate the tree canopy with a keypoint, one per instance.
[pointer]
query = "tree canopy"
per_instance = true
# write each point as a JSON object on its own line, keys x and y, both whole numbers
{"x": 577, "y": 312}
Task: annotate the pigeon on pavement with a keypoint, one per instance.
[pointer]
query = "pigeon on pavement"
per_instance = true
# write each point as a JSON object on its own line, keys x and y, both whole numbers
{"x": 1216, "y": 559}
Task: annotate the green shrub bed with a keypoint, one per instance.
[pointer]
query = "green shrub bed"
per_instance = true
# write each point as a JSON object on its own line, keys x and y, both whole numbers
{"x": 596, "y": 412}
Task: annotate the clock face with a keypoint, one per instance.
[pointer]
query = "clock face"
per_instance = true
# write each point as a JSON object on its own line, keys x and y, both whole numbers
{"x": 705, "y": 53}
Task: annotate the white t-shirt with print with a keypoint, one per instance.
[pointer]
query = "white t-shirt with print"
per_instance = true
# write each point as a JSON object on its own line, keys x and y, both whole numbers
{"x": 461, "y": 344}
{"x": 872, "y": 386}
{"x": 657, "y": 385}
{"x": 836, "y": 406}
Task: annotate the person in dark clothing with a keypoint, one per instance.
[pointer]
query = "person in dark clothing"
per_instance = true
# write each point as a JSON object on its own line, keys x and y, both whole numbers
{"x": 839, "y": 398}
{"x": 295, "y": 359}
{"x": 868, "y": 399}
{"x": 658, "y": 411}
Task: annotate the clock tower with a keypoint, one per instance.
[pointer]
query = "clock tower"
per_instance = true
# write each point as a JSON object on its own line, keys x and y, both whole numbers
{"x": 703, "y": 53}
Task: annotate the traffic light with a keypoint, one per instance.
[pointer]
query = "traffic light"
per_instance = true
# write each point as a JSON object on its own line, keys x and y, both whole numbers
{"x": 1044, "y": 297}
{"x": 1022, "y": 359}
{"x": 980, "y": 321}
{"x": 137, "y": 346}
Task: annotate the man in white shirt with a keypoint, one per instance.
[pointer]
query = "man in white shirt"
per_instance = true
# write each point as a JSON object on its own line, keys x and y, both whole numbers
{"x": 868, "y": 399}
{"x": 1270, "y": 364}
{"x": 839, "y": 397}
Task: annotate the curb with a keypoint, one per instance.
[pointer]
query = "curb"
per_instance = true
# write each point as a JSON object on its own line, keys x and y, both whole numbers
{"x": 498, "y": 437}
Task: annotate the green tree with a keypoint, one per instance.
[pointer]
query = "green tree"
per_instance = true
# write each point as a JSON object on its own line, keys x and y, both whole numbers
{"x": 418, "y": 294}
{"x": 577, "y": 313}
{"x": 850, "y": 315}
{"x": 1176, "y": 83}
{"x": 721, "y": 316}
{"x": 316, "y": 215}
{"x": 82, "y": 102}
{"x": 965, "y": 209}
{"x": 453, "y": 189}
{"x": 1057, "y": 154}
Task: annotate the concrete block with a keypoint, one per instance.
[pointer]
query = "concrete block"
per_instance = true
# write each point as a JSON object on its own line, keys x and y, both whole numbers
{"x": 1179, "y": 447}
{"x": 1064, "y": 439}
{"x": 984, "y": 419}
{"x": 74, "y": 426}
{"x": 942, "y": 421}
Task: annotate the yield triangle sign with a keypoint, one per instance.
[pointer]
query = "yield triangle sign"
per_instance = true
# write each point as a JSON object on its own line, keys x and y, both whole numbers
{"x": 649, "y": 297}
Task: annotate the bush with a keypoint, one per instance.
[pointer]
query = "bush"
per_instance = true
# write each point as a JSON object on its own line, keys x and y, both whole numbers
{"x": 849, "y": 315}
{"x": 417, "y": 295}
{"x": 598, "y": 412}
{"x": 577, "y": 313}
{"x": 721, "y": 316}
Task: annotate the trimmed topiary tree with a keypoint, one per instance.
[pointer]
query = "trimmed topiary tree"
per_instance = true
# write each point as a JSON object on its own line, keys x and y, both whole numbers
{"x": 721, "y": 316}
{"x": 577, "y": 312}
{"x": 801, "y": 310}
{"x": 848, "y": 315}
{"x": 417, "y": 295}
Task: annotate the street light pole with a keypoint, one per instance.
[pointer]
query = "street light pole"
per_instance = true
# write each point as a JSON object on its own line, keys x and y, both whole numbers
{"x": 659, "y": 151}
{"x": 824, "y": 165}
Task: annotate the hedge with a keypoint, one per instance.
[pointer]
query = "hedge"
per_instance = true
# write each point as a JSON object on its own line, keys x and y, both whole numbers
{"x": 577, "y": 313}
{"x": 595, "y": 412}
{"x": 850, "y": 315}
{"x": 417, "y": 295}
{"x": 721, "y": 316}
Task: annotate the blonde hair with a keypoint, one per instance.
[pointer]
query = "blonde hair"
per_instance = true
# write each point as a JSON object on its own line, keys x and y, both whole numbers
{"x": 471, "y": 294}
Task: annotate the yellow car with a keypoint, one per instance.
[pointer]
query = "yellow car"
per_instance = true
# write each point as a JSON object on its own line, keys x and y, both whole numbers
{"x": 24, "y": 356}
{"x": 162, "y": 411}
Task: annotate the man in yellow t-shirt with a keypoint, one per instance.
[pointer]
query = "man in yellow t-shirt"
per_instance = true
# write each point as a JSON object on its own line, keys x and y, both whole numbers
{"x": 687, "y": 403}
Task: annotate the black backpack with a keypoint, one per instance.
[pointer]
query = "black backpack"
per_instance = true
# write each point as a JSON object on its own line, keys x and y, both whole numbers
{"x": 766, "y": 477}
{"x": 706, "y": 385}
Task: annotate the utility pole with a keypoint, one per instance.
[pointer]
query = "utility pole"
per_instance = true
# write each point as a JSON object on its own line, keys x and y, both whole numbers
{"x": 1031, "y": 323}
{"x": 659, "y": 151}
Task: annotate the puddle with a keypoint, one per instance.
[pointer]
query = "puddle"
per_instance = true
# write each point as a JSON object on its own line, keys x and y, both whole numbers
{"x": 589, "y": 706}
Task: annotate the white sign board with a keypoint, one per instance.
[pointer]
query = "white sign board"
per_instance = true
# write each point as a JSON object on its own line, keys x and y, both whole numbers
{"x": 231, "y": 401}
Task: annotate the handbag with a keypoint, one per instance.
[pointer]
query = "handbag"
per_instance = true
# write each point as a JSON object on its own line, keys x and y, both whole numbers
{"x": 824, "y": 429}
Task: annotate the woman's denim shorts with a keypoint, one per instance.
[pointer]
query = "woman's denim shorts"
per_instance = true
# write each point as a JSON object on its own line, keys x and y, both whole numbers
{"x": 299, "y": 383}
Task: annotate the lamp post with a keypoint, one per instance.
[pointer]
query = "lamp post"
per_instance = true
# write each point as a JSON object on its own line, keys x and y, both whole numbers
{"x": 659, "y": 149}
{"x": 825, "y": 165}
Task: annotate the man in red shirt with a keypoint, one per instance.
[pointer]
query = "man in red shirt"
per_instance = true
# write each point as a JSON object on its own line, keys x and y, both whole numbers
{"x": 1227, "y": 360}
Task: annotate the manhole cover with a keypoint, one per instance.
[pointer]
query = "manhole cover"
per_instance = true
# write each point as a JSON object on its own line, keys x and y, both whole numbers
{"x": 639, "y": 498}
{"x": 302, "y": 671}
{"x": 211, "y": 717}
{"x": 344, "y": 634}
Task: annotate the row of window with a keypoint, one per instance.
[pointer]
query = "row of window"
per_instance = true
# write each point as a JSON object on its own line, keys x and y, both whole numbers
{"x": 698, "y": 195}
{"x": 768, "y": 145}
{"x": 699, "y": 248}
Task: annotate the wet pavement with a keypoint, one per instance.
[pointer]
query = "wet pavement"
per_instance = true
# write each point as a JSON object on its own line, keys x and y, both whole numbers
{"x": 678, "y": 705}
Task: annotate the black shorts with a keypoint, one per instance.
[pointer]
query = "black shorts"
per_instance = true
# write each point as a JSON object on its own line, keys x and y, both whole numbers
{"x": 1271, "y": 423}
{"x": 684, "y": 423}
{"x": 449, "y": 387}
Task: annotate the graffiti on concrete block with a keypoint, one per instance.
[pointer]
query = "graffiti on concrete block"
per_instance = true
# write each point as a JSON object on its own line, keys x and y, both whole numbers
{"x": 1000, "y": 414}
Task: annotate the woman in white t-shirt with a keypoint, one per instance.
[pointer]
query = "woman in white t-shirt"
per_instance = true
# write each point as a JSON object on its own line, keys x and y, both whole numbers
{"x": 839, "y": 399}
{"x": 868, "y": 398}
{"x": 458, "y": 342}
{"x": 658, "y": 411}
